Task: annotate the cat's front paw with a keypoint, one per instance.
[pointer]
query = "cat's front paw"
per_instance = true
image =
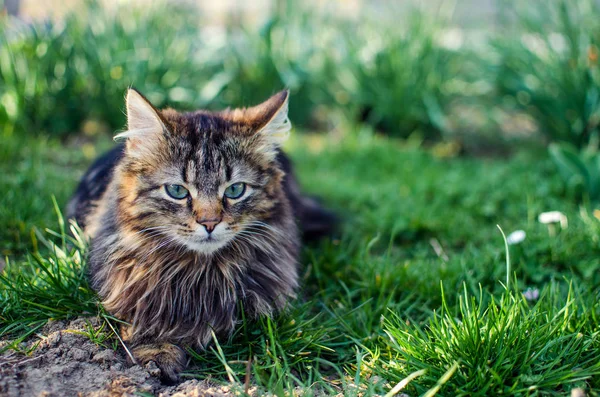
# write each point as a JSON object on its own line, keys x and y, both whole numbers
{"x": 169, "y": 358}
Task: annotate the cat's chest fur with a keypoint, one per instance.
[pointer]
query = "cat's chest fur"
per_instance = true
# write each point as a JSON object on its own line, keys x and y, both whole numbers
{"x": 192, "y": 220}
{"x": 167, "y": 292}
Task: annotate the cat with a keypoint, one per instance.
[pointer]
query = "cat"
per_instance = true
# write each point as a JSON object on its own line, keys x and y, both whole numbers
{"x": 192, "y": 218}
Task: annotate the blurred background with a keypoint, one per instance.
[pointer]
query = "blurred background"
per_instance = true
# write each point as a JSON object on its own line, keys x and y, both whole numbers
{"x": 476, "y": 73}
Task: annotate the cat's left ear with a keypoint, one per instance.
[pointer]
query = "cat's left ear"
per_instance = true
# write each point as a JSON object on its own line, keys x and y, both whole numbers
{"x": 270, "y": 119}
{"x": 145, "y": 127}
{"x": 276, "y": 124}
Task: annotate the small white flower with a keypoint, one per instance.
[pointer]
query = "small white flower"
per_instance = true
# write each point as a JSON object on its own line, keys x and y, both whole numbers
{"x": 531, "y": 294}
{"x": 554, "y": 217}
{"x": 516, "y": 237}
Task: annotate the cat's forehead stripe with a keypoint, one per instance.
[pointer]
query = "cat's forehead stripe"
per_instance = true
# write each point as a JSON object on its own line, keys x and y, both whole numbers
{"x": 225, "y": 165}
{"x": 207, "y": 154}
{"x": 210, "y": 154}
{"x": 190, "y": 171}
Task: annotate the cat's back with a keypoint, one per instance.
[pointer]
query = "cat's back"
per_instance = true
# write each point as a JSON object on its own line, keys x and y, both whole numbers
{"x": 93, "y": 185}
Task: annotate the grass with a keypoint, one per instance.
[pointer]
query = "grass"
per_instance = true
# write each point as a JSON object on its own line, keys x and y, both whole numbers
{"x": 49, "y": 285}
{"x": 549, "y": 68}
{"x": 33, "y": 171}
{"x": 412, "y": 285}
{"x": 505, "y": 346}
{"x": 412, "y": 295}
{"x": 60, "y": 78}
{"x": 65, "y": 77}
{"x": 401, "y": 71}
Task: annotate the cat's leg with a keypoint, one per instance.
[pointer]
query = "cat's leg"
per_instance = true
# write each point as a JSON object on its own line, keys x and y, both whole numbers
{"x": 170, "y": 358}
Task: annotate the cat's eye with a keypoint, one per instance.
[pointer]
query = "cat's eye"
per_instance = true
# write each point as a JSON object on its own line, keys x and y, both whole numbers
{"x": 235, "y": 191}
{"x": 177, "y": 191}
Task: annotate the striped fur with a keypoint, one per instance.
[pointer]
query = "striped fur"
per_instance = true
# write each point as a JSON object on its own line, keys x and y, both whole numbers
{"x": 147, "y": 261}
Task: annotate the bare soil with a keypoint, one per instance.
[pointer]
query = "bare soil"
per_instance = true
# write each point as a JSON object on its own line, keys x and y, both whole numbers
{"x": 65, "y": 362}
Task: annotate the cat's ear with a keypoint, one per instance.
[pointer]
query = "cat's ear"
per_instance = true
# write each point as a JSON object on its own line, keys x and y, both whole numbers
{"x": 274, "y": 118}
{"x": 145, "y": 127}
{"x": 270, "y": 119}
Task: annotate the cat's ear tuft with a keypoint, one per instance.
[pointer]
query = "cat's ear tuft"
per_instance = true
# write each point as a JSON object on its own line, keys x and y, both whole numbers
{"x": 273, "y": 120}
{"x": 268, "y": 122}
{"x": 144, "y": 124}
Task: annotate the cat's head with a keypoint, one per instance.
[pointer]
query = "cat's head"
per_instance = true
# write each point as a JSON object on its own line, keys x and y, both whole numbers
{"x": 203, "y": 180}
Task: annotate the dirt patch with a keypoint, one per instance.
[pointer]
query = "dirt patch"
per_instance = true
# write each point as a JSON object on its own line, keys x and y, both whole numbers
{"x": 67, "y": 363}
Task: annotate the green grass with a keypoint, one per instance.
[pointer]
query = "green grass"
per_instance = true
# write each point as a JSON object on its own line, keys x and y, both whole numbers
{"x": 505, "y": 346}
{"x": 411, "y": 294}
{"x": 47, "y": 285}
{"x": 548, "y": 66}
{"x": 33, "y": 171}
{"x": 60, "y": 78}
{"x": 378, "y": 303}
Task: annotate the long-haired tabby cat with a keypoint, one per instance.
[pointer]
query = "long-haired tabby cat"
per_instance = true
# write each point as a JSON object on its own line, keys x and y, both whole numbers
{"x": 193, "y": 218}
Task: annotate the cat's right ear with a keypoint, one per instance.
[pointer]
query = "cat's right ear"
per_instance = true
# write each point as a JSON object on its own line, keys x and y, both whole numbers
{"x": 145, "y": 127}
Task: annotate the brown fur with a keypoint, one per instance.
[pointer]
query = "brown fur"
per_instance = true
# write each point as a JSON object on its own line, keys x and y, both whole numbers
{"x": 148, "y": 261}
{"x": 169, "y": 358}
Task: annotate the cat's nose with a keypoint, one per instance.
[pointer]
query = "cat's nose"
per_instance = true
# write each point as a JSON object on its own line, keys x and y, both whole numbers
{"x": 210, "y": 224}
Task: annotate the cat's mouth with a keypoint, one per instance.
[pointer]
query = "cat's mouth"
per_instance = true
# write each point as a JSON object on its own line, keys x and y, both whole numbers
{"x": 206, "y": 244}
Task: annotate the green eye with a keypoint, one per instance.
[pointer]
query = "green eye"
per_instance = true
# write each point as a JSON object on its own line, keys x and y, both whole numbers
{"x": 235, "y": 191}
{"x": 177, "y": 191}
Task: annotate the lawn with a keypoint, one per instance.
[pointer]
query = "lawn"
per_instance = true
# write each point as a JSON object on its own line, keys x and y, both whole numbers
{"x": 414, "y": 284}
{"x": 443, "y": 145}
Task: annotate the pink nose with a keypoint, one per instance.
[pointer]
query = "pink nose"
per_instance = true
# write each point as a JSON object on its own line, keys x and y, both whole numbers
{"x": 209, "y": 224}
